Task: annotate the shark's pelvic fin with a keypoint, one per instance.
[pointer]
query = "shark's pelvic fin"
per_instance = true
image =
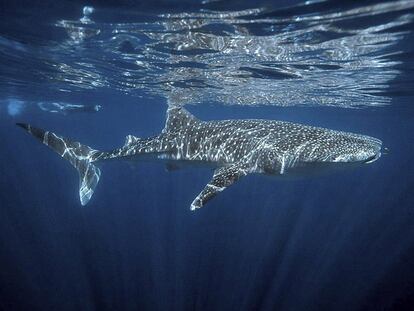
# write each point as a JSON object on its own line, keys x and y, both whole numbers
{"x": 80, "y": 156}
{"x": 222, "y": 178}
{"x": 177, "y": 118}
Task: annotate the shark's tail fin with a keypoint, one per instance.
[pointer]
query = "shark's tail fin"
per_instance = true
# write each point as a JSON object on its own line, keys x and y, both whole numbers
{"x": 80, "y": 156}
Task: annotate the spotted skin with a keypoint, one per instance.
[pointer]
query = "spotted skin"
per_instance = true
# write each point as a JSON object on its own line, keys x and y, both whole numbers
{"x": 235, "y": 147}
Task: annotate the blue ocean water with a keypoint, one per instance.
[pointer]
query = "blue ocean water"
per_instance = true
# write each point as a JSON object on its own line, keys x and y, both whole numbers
{"x": 101, "y": 70}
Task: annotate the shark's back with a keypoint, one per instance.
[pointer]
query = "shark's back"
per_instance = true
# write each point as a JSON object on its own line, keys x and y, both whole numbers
{"x": 214, "y": 141}
{"x": 230, "y": 141}
{"x": 263, "y": 145}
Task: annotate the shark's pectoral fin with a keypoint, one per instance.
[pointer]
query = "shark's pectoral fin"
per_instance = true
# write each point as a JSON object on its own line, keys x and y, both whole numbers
{"x": 222, "y": 178}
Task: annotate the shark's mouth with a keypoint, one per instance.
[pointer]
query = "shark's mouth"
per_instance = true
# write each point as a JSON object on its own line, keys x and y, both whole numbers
{"x": 373, "y": 158}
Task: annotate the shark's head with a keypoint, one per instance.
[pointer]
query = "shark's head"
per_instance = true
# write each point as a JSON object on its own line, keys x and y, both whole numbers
{"x": 353, "y": 148}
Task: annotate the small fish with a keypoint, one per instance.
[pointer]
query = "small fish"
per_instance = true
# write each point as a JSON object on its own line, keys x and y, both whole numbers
{"x": 65, "y": 108}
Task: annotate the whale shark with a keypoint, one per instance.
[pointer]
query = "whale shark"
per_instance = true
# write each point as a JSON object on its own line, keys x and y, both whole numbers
{"x": 235, "y": 148}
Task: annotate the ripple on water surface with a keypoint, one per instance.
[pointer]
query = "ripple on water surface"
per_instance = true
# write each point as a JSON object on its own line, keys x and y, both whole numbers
{"x": 310, "y": 54}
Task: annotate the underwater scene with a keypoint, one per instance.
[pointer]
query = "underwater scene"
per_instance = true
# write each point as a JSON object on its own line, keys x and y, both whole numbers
{"x": 207, "y": 155}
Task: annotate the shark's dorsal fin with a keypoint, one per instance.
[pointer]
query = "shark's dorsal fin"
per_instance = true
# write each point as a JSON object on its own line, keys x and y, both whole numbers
{"x": 177, "y": 118}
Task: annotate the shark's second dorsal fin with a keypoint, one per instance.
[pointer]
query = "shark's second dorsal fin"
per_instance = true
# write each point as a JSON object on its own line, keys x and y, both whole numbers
{"x": 177, "y": 118}
{"x": 129, "y": 139}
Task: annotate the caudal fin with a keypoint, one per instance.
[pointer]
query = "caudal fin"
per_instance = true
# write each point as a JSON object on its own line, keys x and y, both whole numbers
{"x": 80, "y": 156}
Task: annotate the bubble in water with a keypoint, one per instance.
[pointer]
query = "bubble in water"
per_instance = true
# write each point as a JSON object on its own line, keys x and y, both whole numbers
{"x": 88, "y": 10}
{"x": 14, "y": 107}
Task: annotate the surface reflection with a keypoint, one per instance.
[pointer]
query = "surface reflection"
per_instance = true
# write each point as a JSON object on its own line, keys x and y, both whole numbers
{"x": 259, "y": 56}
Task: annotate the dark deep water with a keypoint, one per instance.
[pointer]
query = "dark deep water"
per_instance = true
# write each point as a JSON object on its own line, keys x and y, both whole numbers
{"x": 337, "y": 241}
